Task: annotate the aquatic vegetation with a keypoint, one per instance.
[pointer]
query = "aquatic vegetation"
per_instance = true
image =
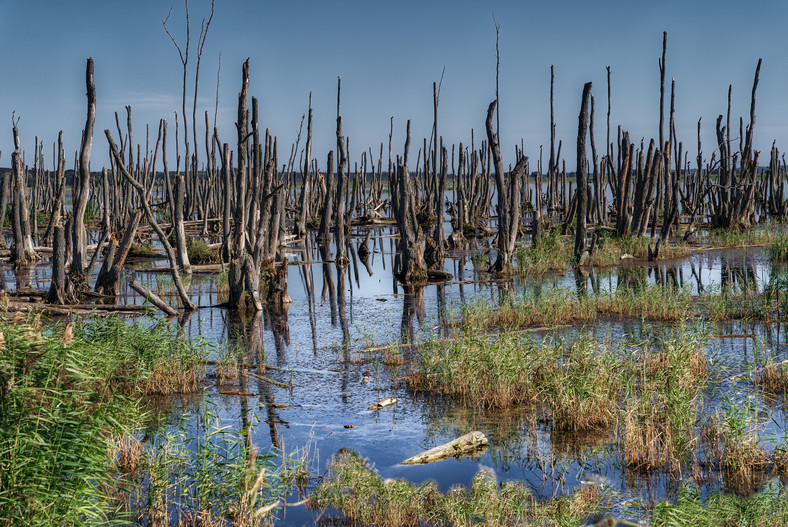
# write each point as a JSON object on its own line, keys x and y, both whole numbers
{"x": 550, "y": 306}
{"x": 586, "y": 384}
{"x": 766, "y": 508}
{"x": 68, "y": 397}
{"x": 364, "y": 498}
{"x": 549, "y": 253}
{"x": 212, "y": 475}
{"x": 200, "y": 253}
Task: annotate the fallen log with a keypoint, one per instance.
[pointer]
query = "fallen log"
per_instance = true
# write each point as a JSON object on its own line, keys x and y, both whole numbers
{"x": 153, "y": 298}
{"x": 467, "y": 445}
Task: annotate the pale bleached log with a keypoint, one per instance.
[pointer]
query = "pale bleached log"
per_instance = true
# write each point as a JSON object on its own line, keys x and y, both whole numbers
{"x": 466, "y": 445}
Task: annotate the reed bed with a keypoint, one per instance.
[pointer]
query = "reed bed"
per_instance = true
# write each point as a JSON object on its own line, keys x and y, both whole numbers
{"x": 649, "y": 389}
{"x": 71, "y": 400}
{"x": 555, "y": 306}
{"x": 769, "y": 507}
{"x": 364, "y": 498}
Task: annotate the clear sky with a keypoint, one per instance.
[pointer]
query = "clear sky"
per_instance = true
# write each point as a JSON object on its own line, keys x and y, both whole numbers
{"x": 388, "y": 55}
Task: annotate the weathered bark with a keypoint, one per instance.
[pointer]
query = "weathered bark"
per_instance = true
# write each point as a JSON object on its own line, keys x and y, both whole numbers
{"x": 303, "y": 216}
{"x": 409, "y": 263}
{"x": 341, "y": 258}
{"x": 81, "y": 191}
{"x": 470, "y": 444}
{"x": 60, "y": 190}
{"x": 328, "y": 197}
{"x": 108, "y": 277}
{"x": 508, "y": 200}
{"x": 153, "y": 298}
{"x": 22, "y": 253}
{"x": 143, "y": 198}
{"x": 57, "y": 289}
{"x": 582, "y": 173}
{"x": 238, "y": 249}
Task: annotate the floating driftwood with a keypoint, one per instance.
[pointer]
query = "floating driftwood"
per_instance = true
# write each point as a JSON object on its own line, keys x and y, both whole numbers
{"x": 467, "y": 445}
{"x": 388, "y": 401}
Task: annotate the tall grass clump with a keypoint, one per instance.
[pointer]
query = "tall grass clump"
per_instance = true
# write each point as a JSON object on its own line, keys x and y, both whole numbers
{"x": 66, "y": 396}
{"x": 212, "y": 476}
{"x": 609, "y": 250}
{"x": 734, "y": 438}
{"x": 549, "y": 253}
{"x": 364, "y": 498}
{"x": 480, "y": 370}
{"x": 200, "y": 253}
{"x": 735, "y": 237}
{"x": 768, "y": 507}
{"x": 778, "y": 249}
{"x": 661, "y": 407}
{"x": 542, "y": 306}
{"x": 581, "y": 385}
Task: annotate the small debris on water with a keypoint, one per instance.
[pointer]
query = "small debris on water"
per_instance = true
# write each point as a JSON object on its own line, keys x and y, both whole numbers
{"x": 389, "y": 401}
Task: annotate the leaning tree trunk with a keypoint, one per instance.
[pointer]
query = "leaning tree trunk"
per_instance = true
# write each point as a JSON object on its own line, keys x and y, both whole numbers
{"x": 508, "y": 200}
{"x": 143, "y": 199}
{"x": 81, "y": 193}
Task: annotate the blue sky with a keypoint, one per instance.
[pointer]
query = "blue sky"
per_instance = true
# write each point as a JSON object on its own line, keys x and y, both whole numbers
{"x": 388, "y": 54}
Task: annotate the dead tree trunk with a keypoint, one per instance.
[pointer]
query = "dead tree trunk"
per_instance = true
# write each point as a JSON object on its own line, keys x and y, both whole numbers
{"x": 57, "y": 289}
{"x": 325, "y": 218}
{"x": 108, "y": 277}
{"x": 508, "y": 200}
{"x": 238, "y": 246}
{"x": 303, "y": 215}
{"x": 143, "y": 199}
{"x": 409, "y": 264}
{"x": 582, "y": 175}
{"x": 81, "y": 192}
{"x": 341, "y": 258}
{"x": 22, "y": 253}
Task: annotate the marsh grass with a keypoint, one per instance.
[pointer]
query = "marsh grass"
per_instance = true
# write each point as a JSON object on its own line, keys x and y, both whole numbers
{"x": 661, "y": 407}
{"x": 64, "y": 402}
{"x": 214, "y": 476}
{"x": 550, "y": 306}
{"x": 549, "y": 253}
{"x": 755, "y": 237}
{"x": 649, "y": 388}
{"x": 364, "y": 498}
{"x": 609, "y": 250}
{"x": 767, "y": 508}
{"x": 778, "y": 248}
{"x": 734, "y": 439}
{"x": 200, "y": 253}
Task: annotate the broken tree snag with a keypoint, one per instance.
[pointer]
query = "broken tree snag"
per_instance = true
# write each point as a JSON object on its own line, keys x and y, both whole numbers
{"x": 508, "y": 200}
{"x": 81, "y": 192}
{"x": 143, "y": 199}
{"x": 470, "y": 444}
{"x": 153, "y": 298}
{"x": 22, "y": 253}
{"x": 59, "y": 190}
{"x": 325, "y": 219}
{"x": 303, "y": 215}
{"x": 237, "y": 247}
{"x": 57, "y": 289}
{"x": 409, "y": 261}
{"x": 107, "y": 280}
{"x": 582, "y": 175}
{"x": 341, "y": 258}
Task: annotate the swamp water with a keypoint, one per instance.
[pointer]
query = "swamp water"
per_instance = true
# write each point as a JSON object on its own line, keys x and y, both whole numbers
{"x": 329, "y": 380}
